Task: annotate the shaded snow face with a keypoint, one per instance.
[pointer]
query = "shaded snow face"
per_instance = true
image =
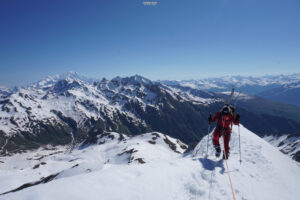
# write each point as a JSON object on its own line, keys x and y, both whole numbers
{"x": 103, "y": 170}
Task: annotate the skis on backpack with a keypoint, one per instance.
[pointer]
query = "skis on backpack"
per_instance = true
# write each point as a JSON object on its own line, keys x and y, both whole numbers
{"x": 230, "y": 97}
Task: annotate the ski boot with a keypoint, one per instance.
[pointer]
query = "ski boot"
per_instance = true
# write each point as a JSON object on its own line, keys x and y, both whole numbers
{"x": 226, "y": 156}
{"x": 218, "y": 150}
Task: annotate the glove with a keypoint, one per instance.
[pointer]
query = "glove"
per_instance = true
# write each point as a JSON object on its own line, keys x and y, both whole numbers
{"x": 237, "y": 118}
{"x": 210, "y": 118}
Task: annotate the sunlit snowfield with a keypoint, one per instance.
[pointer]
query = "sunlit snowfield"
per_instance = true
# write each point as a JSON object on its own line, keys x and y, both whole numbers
{"x": 115, "y": 169}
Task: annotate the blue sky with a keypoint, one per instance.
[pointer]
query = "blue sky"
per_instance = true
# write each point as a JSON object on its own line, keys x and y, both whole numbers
{"x": 175, "y": 39}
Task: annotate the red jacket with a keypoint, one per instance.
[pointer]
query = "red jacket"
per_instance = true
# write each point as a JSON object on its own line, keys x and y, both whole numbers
{"x": 225, "y": 121}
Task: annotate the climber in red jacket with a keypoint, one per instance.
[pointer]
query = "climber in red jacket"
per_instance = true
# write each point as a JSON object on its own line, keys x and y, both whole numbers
{"x": 223, "y": 128}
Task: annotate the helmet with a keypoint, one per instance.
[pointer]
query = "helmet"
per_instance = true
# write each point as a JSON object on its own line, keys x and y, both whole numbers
{"x": 226, "y": 110}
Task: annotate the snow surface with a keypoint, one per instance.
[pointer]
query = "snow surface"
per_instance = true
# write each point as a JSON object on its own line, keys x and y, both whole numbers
{"x": 102, "y": 171}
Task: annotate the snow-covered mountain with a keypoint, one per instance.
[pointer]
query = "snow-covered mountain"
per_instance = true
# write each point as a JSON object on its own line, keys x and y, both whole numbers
{"x": 4, "y": 91}
{"x": 289, "y": 93}
{"x": 77, "y": 98}
{"x": 226, "y": 82}
{"x": 150, "y": 166}
{"x": 284, "y": 88}
{"x": 288, "y": 144}
{"x": 50, "y": 81}
{"x": 68, "y": 108}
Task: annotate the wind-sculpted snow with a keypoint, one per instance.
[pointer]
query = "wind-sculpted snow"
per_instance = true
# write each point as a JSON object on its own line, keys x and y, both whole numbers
{"x": 102, "y": 171}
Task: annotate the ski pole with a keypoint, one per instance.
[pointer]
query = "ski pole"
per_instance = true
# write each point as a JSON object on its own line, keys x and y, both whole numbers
{"x": 207, "y": 138}
{"x": 240, "y": 145}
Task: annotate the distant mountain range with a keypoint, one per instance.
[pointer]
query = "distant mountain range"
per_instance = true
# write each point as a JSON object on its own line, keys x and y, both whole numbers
{"x": 284, "y": 88}
{"x": 68, "y": 109}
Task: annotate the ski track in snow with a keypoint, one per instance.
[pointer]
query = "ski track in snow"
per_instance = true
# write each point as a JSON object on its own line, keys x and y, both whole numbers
{"x": 265, "y": 173}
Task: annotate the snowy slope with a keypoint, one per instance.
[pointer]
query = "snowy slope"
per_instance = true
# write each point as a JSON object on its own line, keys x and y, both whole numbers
{"x": 265, "y": 173}
{"x": 103, "y": 171}
{"x": 288, "y": 144}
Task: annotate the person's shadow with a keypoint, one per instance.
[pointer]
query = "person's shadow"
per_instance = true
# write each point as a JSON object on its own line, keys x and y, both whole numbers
{"x": 211, "y": 165}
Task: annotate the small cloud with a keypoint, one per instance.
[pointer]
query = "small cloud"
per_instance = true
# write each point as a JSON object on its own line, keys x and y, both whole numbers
{"x": 150, "y": 3}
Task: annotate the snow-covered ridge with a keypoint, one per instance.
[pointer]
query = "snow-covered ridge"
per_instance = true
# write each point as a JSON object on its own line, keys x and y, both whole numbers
{"x": 79, "y": 98}
{"x": 98, "y": 170}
